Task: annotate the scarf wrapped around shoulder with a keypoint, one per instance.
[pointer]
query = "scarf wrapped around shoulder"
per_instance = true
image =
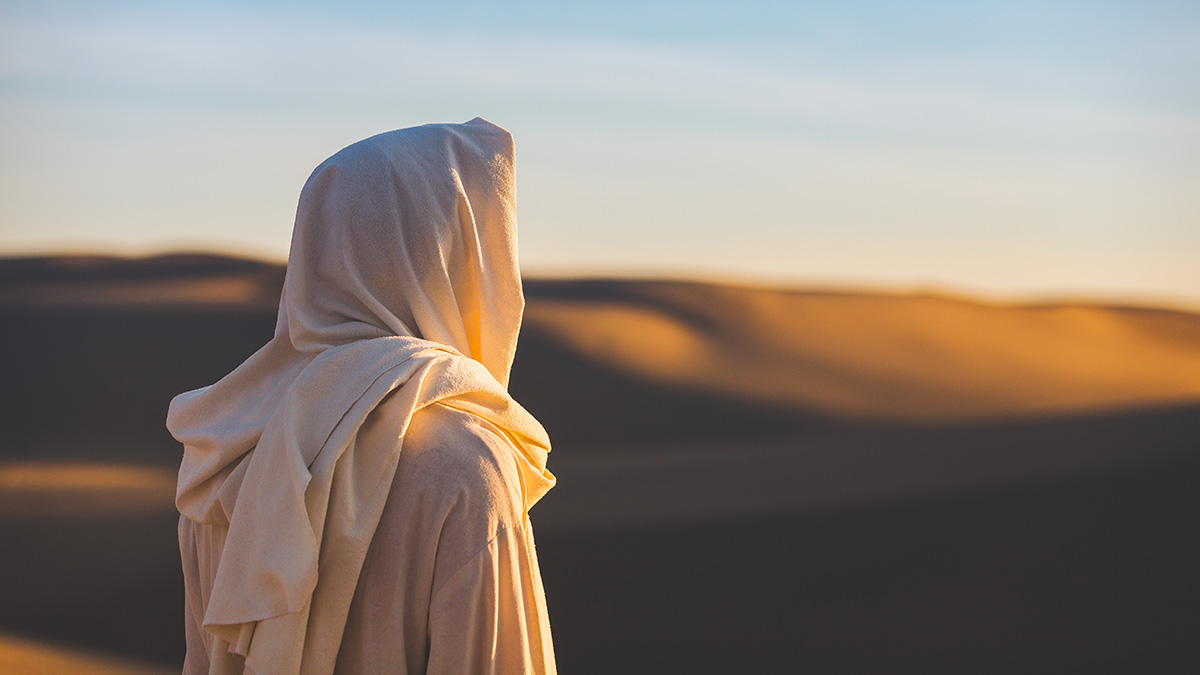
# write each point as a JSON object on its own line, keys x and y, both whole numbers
{"x": 402, "y": 282}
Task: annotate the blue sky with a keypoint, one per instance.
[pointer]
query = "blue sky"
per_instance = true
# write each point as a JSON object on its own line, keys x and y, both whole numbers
{"x": 1013, "y": 149}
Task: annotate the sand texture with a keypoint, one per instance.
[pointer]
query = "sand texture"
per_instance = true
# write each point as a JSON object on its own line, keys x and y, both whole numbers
{"x": 751, "y": 479}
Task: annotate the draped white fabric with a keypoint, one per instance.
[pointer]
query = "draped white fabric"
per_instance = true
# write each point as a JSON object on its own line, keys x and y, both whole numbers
{"x": 402, "y": 282}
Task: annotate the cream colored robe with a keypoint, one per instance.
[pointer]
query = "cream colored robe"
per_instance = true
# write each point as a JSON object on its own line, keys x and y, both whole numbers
{"x": 402, "y": 302}
{"x": 451, "y": 581}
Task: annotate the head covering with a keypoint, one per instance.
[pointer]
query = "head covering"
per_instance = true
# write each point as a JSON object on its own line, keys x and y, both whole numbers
{"x": 402, "y": 280}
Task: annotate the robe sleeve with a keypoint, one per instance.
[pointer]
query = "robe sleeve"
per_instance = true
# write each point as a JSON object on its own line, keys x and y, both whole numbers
{"x": 490, "y": 616}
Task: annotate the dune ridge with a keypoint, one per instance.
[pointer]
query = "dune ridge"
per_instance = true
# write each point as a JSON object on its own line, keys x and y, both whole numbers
{"x": 83, "y": 489}
{"x": 918, "y": 358}
{"x": 19, "y": 656}
{"x": 183, "y": 280}
{"x": 908, "y": 358}
{"x": 850, "y": 481}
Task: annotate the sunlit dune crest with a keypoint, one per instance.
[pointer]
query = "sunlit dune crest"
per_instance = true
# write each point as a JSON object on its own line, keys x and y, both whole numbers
{"x": 851, "y": 355}
{"x": 83, "y": 489}
{"x": 160, "y": 282}
{"x": 921, "y": 358}
{"x": 222, "y": 292}
{"x": 25, "y": 657}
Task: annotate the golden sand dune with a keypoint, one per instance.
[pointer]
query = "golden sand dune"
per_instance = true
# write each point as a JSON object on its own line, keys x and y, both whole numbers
{"x": 26, "y": 657}
{"x": 921, "y": 358}
{"x": 160, "y": 282}
{"x": 1029, "y": 513}
{"x": 602, "y": 361}
{"x": 83, "y": 489}
{"x": 858, "y": 355}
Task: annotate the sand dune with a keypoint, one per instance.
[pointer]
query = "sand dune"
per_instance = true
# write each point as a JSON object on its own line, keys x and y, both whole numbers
{"x": 34, "y": 489}
{"x": 166, "y": 281}
{"x": 751, "y": 480}
{"x": 891, "y": 357}
{"x": 686, "y": 483}
{"x": 26, "y": 657}
{"x": 865, "y": 356}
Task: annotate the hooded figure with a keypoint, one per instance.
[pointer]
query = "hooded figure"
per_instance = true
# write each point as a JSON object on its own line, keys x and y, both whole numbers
{"x": 354, "y": 496}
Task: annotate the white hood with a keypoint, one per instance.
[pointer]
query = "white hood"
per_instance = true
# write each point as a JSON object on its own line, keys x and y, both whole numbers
{"x": 402, "y": 278}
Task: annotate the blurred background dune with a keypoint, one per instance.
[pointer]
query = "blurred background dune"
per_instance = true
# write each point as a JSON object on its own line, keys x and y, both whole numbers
{"x": 848, "y": 480}
{"x": 24, "y": 657}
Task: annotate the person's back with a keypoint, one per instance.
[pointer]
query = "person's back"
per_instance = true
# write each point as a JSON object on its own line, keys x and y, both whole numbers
{"x": 355, "y": 496}
{"x": 453, "y": 555}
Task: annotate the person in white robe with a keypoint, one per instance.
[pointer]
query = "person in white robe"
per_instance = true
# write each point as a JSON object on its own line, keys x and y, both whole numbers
{"x": 355, "y": 497}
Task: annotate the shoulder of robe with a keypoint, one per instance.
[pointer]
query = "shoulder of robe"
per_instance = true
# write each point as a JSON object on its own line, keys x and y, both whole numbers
{"x": 458, "y": 467}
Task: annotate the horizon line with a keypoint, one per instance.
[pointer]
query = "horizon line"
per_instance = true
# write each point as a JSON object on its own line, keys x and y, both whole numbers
{"x": 682, "y": 274}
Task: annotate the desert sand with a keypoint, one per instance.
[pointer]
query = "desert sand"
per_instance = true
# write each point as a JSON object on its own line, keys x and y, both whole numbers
{"x": 751, "y": 479}
{"x": 26, "y": 657}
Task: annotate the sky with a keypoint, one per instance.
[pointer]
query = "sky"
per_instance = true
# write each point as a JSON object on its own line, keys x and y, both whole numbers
{"x": 1013, "y": 149}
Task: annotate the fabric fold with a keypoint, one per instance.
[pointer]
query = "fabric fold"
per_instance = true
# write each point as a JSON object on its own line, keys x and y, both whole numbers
{"x": 402, "y": 283}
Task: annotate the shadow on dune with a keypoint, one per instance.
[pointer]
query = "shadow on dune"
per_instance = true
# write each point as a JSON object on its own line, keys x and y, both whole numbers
{"x": 1088, "y": 571}
{"x": 1087, "y": 575}
{"x": 111, "y": 584}
{"x": 695, "y": 528}
{"x": 583, "y": 402}
{"x": 1082, "y": 570}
